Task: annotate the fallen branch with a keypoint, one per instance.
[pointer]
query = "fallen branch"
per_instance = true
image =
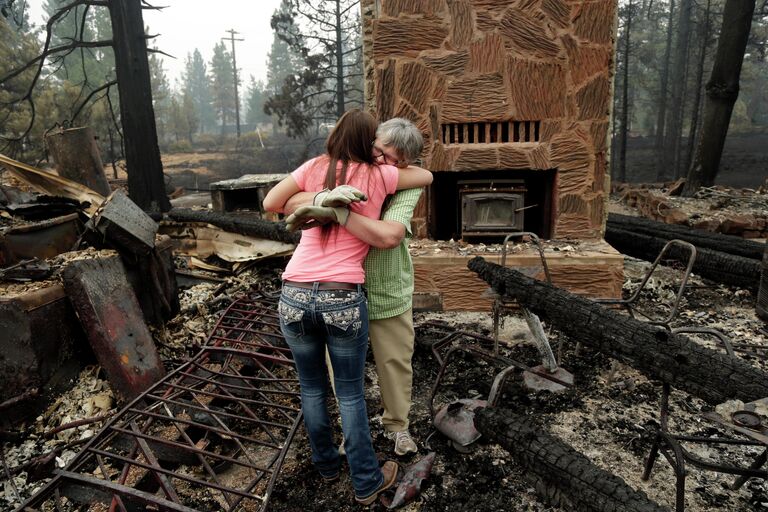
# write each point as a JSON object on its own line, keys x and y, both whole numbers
{"x": 659, "y": 354}
{"x": 561, "y": 475}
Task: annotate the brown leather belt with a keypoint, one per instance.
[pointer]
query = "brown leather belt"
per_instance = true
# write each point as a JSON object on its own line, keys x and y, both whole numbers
{"x": 329, "y": 285}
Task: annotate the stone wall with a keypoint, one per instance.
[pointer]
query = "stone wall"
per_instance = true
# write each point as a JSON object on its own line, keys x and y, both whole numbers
{"x": 502, "y": 85}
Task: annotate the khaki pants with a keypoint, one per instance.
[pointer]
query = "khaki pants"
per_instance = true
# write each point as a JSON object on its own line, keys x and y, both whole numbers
{"x": 392, "y": 344}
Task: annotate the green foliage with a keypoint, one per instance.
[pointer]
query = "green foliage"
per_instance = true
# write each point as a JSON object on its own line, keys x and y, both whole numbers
{"x": 180, "y": 146}
{"x": 252, "y": 141}
{"x": 283, "y": 59}
{"x": 255, "y": 98}
{"x": 161, "y": 97}
{"x": 222, "y": 84}
{"x": 196, "y": 86}
{"x": 16, "y": 48}
{"x": 85, "y": 66}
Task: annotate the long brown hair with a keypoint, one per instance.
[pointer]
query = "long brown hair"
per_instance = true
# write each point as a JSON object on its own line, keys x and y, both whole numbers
{"x": 351, "y": 140}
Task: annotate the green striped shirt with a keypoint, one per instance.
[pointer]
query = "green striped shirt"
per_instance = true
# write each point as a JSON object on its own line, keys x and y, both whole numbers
{"x": 389, "y": 272}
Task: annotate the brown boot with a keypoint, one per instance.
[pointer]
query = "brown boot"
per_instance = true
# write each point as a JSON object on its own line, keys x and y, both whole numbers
{"x": 389, "y": 469}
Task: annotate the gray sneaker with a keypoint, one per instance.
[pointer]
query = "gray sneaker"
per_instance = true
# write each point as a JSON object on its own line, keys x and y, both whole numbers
{"x": 404, "y": 443}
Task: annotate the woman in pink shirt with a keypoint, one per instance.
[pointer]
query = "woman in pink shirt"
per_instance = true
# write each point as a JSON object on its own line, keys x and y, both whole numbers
{"x": 323, "y": 303}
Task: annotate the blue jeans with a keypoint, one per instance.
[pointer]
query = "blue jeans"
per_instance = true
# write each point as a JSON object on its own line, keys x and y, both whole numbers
{"x": 312, "y": 319}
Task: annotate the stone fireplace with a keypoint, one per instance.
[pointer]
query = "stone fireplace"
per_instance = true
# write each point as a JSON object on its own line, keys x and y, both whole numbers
{"x": 513, "y": 99}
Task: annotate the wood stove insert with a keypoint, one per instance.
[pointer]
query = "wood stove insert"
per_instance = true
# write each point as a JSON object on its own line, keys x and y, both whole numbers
{"x": 491, "y": 208}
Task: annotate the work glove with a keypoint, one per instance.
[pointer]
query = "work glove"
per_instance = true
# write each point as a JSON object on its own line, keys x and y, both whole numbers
{"x": 339, "y": 196}
{"x": 306, "y": 217}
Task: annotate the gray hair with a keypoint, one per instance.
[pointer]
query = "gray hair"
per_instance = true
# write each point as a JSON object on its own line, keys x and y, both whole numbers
{"x": 402, "y": 135}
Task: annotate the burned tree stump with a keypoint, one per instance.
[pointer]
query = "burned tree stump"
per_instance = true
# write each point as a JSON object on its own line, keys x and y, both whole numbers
{"x": 114, "y": 324}
{"x": 77, "y": 158}
{"x": 717, "y": 266}
{"x": 672, "y": 358}
{"x": 561, "y": 475}
{"x": 242, "y": 224}
{"x": 701, "y": 239}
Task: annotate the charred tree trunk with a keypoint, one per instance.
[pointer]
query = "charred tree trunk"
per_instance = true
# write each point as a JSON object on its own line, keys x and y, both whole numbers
{"x": 673, "y": 358}
{"x": 734, "y": 245}
{"x": 563, "y": 476}
{"x": 722, "y": 92}
{"x": 662, "y": 113}
{"x": 77, "y": 158}
{"x": 677, "y": 105}
{"x": 715, "y": 265}
{"x": 242, "y": 224}
{"x": 146, "y": 186}
{"x": 704, "y": 33}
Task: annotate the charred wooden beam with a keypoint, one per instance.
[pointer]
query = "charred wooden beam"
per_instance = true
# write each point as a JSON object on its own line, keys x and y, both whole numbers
{"x": 562, "y": 475}
{"x": 701, "y": 239}
{"x": 242, "y": 224}
{"x": 659, "y": 354}
{"x": 718, "y": 266}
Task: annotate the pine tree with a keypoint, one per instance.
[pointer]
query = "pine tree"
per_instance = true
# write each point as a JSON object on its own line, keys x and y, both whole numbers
{"x": 256, "y": 95}
{"x": 195, "y": 85}
{"x": 161, "y": 96}
{"x": 282, "y": 60}
{"x": 190, "y": 116}
{"x": 16, "y": 48}
{"x": 222, "y": 86}
{"x": 76, "y": 66}
{"x": 176, "y": 124}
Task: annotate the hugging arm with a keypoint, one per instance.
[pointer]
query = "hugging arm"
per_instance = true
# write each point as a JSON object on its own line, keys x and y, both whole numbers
{"x": 413, "y": 177}
{"x": 394, "y": 226}
{"x": 277, "y": 198}
{"x": 382, "y": 234}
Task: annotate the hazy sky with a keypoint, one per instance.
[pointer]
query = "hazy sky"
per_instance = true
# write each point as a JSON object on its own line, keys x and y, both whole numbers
{"x": 188, "y": 24}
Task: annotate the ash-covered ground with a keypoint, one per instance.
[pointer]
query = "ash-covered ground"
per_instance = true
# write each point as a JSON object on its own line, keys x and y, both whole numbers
{"x": 609, "y": 415}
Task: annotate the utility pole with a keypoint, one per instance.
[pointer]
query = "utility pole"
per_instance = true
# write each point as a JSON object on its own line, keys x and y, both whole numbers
{"x": 234, "y": 69}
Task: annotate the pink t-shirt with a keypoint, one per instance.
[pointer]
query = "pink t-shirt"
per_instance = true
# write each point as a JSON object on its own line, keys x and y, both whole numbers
{"x": 341, "y": 258}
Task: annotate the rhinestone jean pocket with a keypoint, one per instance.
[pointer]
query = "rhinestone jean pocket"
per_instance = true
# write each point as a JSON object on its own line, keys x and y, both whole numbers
{"x": 343, "y": 323}
{"x": 289, "y": 313}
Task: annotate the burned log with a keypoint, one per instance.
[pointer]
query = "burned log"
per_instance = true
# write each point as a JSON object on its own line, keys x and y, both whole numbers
{"x": 701, "y": 239}
{"x": 561, "y": 475}
{"x": 718, "y": 266}
{"x": 242, "y": 224}
{"x": 659, "y": 354}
